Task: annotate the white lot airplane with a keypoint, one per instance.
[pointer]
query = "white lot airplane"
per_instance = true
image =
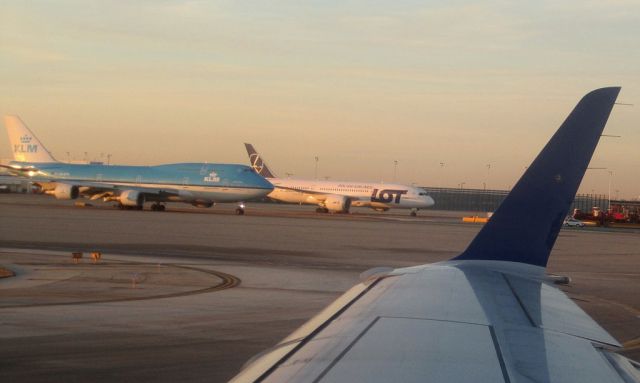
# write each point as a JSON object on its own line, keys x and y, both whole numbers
{"x": 339, "y": 196}
{"x": 491, "y": 314}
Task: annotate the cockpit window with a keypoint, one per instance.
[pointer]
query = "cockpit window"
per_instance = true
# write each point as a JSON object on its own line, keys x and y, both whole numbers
{"x": 422, "y": 193}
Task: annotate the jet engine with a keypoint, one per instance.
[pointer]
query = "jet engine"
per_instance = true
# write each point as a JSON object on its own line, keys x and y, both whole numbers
{"x": 65, "y": 191}
{"x": 337, "y": 203}
{"x": 202, "y": 203}
{"x": 131, "y": 198}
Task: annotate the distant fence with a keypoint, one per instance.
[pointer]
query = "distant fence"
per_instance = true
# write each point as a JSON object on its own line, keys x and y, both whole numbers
{"x": 488, "y": 200}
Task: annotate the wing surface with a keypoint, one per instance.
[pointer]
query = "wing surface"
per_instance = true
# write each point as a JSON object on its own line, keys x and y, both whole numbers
{"x": 100, "y": 189}
{"x": 449, "y": 322}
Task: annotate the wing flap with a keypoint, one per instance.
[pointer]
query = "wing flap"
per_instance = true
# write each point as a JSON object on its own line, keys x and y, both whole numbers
{"x": 551, "y": 309}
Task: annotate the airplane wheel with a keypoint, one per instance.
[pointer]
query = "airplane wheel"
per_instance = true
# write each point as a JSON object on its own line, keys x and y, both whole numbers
{"x": 157, "y": 207}
{"x": 239, "y": 211}
{"x": 319, "y": 210}
{"x": 414, "y": 214}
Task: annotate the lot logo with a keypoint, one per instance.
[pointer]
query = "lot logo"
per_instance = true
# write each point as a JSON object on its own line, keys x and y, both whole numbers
{"x": 387, "y": 195}
{"x": 25, "y": 145}
{"x": 256, "y": 162}
{"x": 212, "y": 177}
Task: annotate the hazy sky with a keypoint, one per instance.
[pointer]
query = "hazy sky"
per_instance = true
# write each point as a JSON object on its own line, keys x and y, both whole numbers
{"x": 357, "y": 83}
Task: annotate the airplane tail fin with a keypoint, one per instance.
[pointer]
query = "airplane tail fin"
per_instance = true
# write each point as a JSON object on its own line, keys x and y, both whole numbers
{"x": 525, "y": 226}
{"x": 257, "y": 163}
{"x": 25, "y": 145}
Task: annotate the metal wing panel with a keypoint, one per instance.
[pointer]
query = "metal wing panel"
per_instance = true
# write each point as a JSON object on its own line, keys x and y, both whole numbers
{"x": 444, "y": 323}
{"x": 551, "y": 309}
{"x": 538, "y": 355}
{"x": 410, "y": 350}
{"x": 449, "y": 299}
{"x": 441, "y": 293}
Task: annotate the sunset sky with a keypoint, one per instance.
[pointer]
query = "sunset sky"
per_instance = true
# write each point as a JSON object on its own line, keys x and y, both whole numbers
{"x": 360, "y": 84}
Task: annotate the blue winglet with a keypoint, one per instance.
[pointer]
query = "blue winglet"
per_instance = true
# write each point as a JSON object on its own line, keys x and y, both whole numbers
{"x": 525, "y": 226}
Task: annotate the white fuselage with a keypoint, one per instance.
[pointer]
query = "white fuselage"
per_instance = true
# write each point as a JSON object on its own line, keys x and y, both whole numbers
{"x": 374, "y": 195}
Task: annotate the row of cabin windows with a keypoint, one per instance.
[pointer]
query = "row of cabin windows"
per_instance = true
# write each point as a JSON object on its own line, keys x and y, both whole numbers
{"x": 333, "y": 189}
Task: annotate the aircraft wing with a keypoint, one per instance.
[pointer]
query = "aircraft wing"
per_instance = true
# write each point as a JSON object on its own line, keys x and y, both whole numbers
{"x": 488, "y": 315}
{"x": 96, "y": 189}
{"x": 447, "y": 322}
{"x": 304, "y": 191}
{"x": 100, "y": 189}
{"x": 310, "y": 195}
{"x": 322, "y": 195}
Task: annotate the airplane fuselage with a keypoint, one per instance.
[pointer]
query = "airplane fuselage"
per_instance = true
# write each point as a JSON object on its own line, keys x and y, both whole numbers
{"x": 193, "y": 181}
{"x": 361, "y": 194}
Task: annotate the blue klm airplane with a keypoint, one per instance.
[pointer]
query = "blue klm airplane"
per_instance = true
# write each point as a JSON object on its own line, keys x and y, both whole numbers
{"x": 491, "y": 314}
{"x": 199, "y": 184}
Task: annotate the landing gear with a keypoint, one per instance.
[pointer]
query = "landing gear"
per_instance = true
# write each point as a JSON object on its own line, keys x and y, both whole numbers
{"x": 240, "y": 209}
{"x": 414, "y": 212}
{"x": 136, "y": 207}
{"x": 322, "y": 210}
{"x": 157, "y": 207}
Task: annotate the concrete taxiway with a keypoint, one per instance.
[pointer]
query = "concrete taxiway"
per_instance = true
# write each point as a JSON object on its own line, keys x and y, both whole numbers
{"x": 192, "y": 294}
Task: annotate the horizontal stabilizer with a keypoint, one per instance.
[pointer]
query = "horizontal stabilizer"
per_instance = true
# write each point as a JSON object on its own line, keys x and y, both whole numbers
{"x": 525, "y": 226}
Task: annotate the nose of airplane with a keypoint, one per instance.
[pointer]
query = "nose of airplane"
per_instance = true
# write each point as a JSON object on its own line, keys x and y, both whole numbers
{"x": 428, "y": 201}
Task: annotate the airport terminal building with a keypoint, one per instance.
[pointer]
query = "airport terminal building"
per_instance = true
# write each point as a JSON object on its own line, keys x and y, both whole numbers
{"x": 480, "y": 200}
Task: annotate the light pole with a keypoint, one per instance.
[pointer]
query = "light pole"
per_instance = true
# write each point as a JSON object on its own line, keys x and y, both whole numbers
{"x": 395, "y": 170}
{"x": 441, "y": 174}
{"x": 609, "y": 204}
{"x": 488, "y": 169}
{"x": 317, "y": 159}
{"x": 108, "y": 159}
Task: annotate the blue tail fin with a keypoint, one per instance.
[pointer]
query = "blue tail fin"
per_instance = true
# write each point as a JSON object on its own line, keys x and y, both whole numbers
{"x": 525, "y": 227}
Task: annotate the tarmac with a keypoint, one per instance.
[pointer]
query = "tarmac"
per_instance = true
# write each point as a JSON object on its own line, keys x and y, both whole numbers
{"x": 192, "y": 294}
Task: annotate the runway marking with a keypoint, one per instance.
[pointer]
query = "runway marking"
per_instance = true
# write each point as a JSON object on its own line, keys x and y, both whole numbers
{"x": 227, "y": 281}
